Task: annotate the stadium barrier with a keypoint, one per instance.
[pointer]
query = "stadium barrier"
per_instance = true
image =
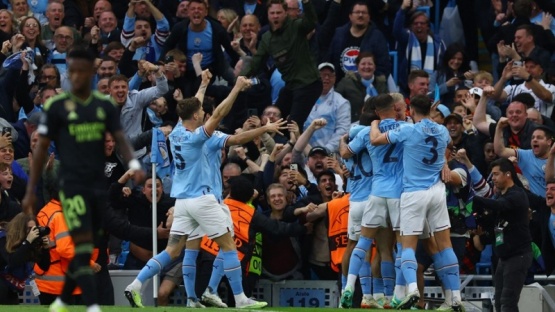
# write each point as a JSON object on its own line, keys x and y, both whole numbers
{"x": 307, "y": 293}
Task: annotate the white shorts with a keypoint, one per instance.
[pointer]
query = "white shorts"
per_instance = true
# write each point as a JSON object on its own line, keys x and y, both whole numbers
{"x": 426, "y": 205}
{"x": 356, "y": 209}
{"x": 382, "y": 212}
{"x": 201, "y": 216}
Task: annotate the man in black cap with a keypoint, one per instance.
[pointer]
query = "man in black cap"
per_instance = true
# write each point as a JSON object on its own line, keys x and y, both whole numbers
{"x": 471, "y": 143}
{"x": 530, "y": 74}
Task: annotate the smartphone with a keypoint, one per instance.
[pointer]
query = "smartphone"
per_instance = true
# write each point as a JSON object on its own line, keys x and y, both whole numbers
{"x": 517, "y": 64}
{"x": 294, "y": 167}
{"x": 168, "y": 59}
{"x": 6, "y": 130}
{"x": 332, "y": 155}
{"x": 252, "y": 112}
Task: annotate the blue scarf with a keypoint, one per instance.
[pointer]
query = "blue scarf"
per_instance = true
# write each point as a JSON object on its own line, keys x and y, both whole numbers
{"x": 414, "y": 54}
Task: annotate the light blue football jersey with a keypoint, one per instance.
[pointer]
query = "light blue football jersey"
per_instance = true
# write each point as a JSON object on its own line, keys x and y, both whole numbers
{"x": 533, "y": 169}
{"x": 192, "y": 176}
{"x": 387, "y": 161}
{"x": 424, "y": 145}
{"x": 212, "y": 151}
{"x": 360, "y": 166}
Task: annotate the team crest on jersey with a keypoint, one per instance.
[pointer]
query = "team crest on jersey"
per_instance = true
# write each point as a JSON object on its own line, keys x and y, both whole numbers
{"x": 197, "y": 42}
{"x": 543, "y": 168}
{"x": 348, "y": 57}
{"x": 100, "y": 114}
{"x": 109, "y": 169}
{"x": 70, "y": 105}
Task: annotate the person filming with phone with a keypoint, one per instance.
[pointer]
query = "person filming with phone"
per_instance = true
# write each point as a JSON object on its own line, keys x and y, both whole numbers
{"x": 22, "y": 244}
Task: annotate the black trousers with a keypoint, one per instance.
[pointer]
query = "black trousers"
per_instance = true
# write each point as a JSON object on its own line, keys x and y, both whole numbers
{"x": 298, "y": 103}
{"x": 509, "y": 280}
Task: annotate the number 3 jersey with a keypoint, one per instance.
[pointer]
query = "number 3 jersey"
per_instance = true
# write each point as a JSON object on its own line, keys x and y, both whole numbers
{"x": 78, "y": 129}
{"x": 388, "y": 163}
{"x": 424, "y": 145}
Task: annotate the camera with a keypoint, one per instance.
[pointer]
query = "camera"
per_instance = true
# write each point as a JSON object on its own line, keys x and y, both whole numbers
{"x": 6, "y": 130}
{"x": 43, "y": 231}
{"x": 168, "y": 59}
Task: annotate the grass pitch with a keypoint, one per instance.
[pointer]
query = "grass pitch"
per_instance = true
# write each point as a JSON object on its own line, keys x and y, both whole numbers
{"x": 34, "y": 308}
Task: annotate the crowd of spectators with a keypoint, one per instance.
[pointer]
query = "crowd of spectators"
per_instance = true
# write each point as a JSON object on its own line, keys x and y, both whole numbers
{"x": 313, "y": 63}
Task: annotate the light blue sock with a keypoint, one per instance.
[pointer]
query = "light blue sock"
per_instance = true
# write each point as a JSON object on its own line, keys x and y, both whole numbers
{"x": 388, "y": 276}
{"x": 399, "y": 278}
{"x": 408, "y": 265}
{"x": 451, "y": 265}
{"x": 189, "y": 269}
{"x": 154, "y": 266}
{"x": 344, "y": 281}
{"x": 439, "y": 266}
{"x": 232, "y": 269}
{"x": 377, "y": 285}
{"x": 359, "y": 254}
{"x": 217, "y": 273}
{"x": 365, "y": 278}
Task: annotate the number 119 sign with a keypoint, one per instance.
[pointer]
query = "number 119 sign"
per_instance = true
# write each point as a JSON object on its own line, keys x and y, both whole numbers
{"x": 295, "y": 297}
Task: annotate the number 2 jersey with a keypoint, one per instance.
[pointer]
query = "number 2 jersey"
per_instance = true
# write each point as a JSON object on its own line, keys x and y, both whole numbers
{"x": 424, "y": 145}
{"x": 78, "y": 129}
{"x": 360, "y": 165}
{"x": 388, "y": 163}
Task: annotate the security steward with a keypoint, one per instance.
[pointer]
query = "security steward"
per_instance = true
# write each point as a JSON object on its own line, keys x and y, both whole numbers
{"x": 247, "y": 225}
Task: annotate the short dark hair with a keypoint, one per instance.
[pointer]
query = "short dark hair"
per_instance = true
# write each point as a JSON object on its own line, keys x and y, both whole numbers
{"x": 421, "y": 104}
{"x": 417, "y": 73}
{"x": 157, "y": 178}
{"x": 280, "y": 2}
{"x": 240, "y": 188}
{"x": 324, "y": 173}
{"x": 199, "y": 1}
{"x": 80, "y": 53}
{"x": 114, "y": 45}
{"x": 369, "y": 105}
{"x": 550, "y": 181}
{"x": 107, "y": 58}
{"x": 547, "y": 131}
{"x": 360, "y": 3}
{"x": 364, "y": 54}
{"x": 527, "y": 28}
{"x": 522, "y": 8}
{"x": 525, "y": 98}
{"x": 504, "y": 165}
{"x": 383, "y": 102}
{"x": 187, "y": 107}
{"x": 117, "y": 77}
{"x": 366, "y": 118}
{"x": 208, "y": 105}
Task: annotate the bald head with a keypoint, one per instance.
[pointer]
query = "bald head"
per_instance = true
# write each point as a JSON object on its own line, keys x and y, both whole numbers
{"x": 293, "y": 8}
{"x": 101, "y": 6}
{"x": 250, "y": 26}
{"x": 63, "y": 38}
{"x": 534, "y": 115}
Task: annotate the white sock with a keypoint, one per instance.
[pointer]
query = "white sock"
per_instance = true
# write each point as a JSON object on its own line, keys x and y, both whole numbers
{"x": 448, "y": 296}
{"x": 240, "y": 297}
{"x": 59, "y": 302}
{"x": 367, "y": 297}
{"x": 456, "y": 295}
{"x": 400, "y": 291}
{"x": 412, "y": 287}
{"x": 136, "y": 284}
{"x": 351, "y": 280}
{"x": 378, "y": 295}
{"x": 94, "y": 308}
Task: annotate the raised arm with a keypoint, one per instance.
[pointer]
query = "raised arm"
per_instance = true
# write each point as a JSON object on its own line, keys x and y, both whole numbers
{"x": 498, "y": 142}
{"x": 310, "y": 18}
{"x": 223, "y": 109}
{"x": 206, "y": 76}
{"x": 344, "y": 150}
{"x": 550, "y": 166}
{"x": 499, "y": 94}
{"x": 479, "y": 119}
{"x": 247, "y": 136}
{"x": 302, "y": 141}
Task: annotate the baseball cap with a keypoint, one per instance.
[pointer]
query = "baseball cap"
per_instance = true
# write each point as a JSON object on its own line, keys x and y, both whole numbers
{"x": 476, "y": 91}
{"x": 318, "y": 149}
{"x": 4, "y": 123}
{"x": 457, "y": 117}
{"x": 34, "y": 118}
{"x": 326, "y": 64}
{"x": 444, "y": 110}
{"x": 534, "y": 59}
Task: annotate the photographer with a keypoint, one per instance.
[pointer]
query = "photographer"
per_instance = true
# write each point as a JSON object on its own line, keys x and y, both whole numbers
{"x": 512, "y": 234}
{"x": 21, "y": 244}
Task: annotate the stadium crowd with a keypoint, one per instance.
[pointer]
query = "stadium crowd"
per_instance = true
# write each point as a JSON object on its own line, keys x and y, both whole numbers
{"x": 297, "y": 149}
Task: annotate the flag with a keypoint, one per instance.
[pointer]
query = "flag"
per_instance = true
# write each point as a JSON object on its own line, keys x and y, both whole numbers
{"x": 436, "y": 93}
{"x": 159, "y": 149}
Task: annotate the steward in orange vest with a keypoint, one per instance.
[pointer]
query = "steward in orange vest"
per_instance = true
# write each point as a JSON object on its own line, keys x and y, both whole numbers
{"x": 338, "y": 216}
{"x": 51, "y": 282}
{"x": 247, "y": 222}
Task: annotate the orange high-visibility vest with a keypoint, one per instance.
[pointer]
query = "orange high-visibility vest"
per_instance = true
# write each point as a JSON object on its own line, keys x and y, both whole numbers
{"x": 241, "y": 214}
{"x": 338, "y": 217}
{"x": 61, "y": 252}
